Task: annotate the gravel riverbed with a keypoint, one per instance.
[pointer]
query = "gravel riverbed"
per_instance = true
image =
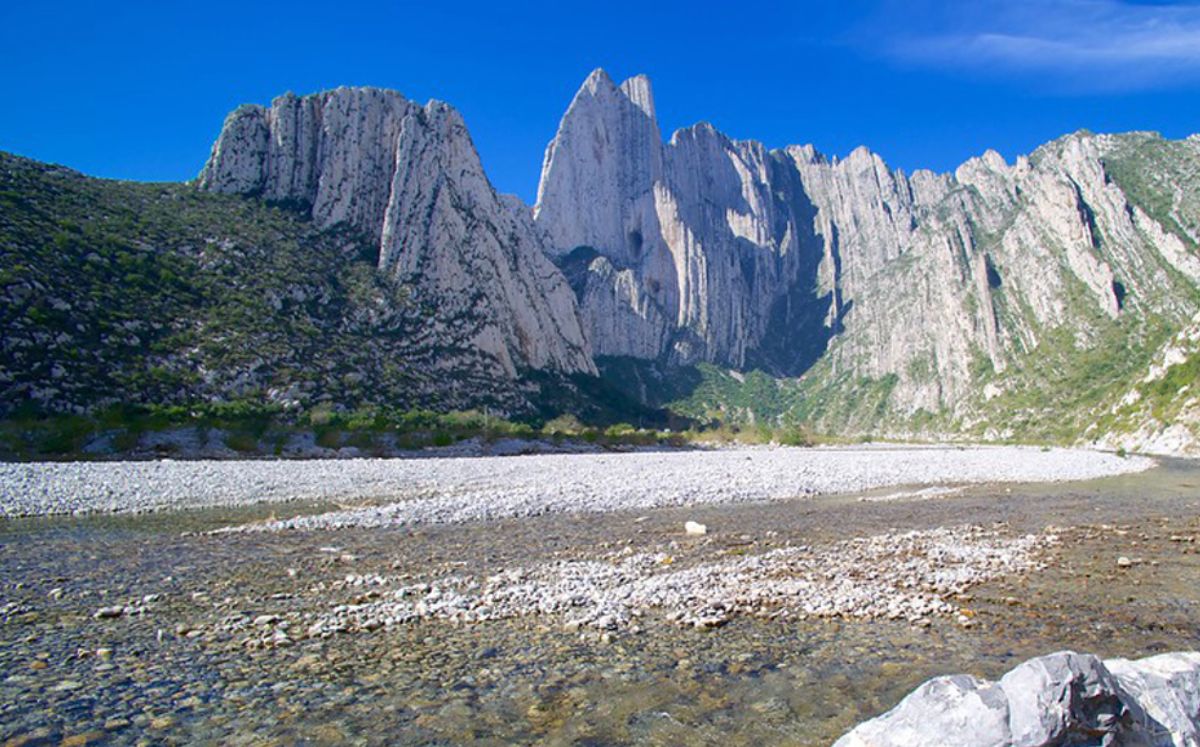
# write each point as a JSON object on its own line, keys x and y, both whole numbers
{"x": 483, "y": 488}
{"x": 785, "y": 622}
{"x": 895, "y": 576}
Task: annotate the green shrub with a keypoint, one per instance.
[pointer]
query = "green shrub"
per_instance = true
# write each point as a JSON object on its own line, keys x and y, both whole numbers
{"x": 240, "y": 441}
{"x": 619, "y": 431}
{"x": 795, "y": 436}
{"x": 321, "y": 415}
{"x": 329, "y": 438}
{"x": 563, "y": 425}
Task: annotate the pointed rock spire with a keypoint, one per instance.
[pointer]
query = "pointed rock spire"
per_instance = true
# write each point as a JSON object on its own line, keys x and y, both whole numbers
{"x": 606, "y": 156}
{"x": 637, "y": 90}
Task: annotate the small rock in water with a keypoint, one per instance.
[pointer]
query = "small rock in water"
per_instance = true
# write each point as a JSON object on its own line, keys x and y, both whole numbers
{"x": 109, "y": 612}
{"x": 693, "y": 527}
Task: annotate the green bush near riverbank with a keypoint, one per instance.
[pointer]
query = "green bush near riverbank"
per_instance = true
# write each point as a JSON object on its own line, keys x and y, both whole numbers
{"x": 252, "y": 429}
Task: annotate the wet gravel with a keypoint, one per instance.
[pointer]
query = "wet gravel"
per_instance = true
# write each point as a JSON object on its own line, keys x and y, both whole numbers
{"x": 898, "y": 575}
{"x": 195, "y": 654}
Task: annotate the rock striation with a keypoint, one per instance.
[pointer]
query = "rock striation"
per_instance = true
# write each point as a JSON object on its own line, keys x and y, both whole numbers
{"x": 708, "y": 249}
{"x": 1063, "y": 698}
{"x": 408, "y": 176}
{"x": 696, "y": 245}
{"x": 1053, "y": 298}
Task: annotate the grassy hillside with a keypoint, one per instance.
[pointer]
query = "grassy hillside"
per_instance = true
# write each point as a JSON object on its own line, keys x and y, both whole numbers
{"x": 116, "y": 295}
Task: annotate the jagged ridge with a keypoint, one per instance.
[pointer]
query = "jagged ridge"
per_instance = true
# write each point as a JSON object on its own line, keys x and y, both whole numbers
{"x": 409, "y": 176}
{"x": 935, "y": 292}
{"x": 1002, "y": 301}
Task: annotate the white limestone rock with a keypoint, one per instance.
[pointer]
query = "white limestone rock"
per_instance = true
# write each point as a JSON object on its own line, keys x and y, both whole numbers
{"x": 1168, "y": 688}
{"x": 957, "y": 710}
{"x": 600, "y": 170}
{"x": 409, "y": 177}
{"x": 1062, "y": 698}
{"x": 727, "y": 252}
{"x": 697, "y": 225}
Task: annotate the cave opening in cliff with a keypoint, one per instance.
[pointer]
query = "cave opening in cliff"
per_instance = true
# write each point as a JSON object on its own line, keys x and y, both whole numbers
{"x": 993, "y": 275}
{"x": 635, "y": 243}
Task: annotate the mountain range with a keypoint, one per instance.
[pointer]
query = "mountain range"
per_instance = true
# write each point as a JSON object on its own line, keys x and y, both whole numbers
{"x": 347, "y": 247}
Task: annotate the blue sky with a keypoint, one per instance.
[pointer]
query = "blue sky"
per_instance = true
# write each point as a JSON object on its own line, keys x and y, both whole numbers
{"x": 137, "y": 90}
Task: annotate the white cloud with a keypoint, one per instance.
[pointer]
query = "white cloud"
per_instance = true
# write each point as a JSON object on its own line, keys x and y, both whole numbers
{"x": 1091, "y": 44}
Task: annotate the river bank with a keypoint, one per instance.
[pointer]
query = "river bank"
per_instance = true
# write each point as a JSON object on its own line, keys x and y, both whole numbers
{"x": 151, "y": 628}
{"x": 439, "y": 490}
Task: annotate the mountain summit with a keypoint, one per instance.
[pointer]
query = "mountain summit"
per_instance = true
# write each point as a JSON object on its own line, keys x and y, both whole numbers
{"x": 930, "y": 294}
{"x": 347, "y": 246}
{"x": 409, "y": 177}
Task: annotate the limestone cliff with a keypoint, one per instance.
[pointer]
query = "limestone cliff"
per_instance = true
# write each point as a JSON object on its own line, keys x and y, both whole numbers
{"x": 409, "y": 177}
{"x": 1052, "y": 298}
{"x": 941, "y": 293}
{"x": 698, "y": 239}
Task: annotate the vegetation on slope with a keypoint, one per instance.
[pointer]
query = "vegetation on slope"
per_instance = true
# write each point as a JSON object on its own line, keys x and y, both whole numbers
{"x": 1048, "y": 391}
{"x": 1160, "y": 176}
{"x": 154, "y": 301}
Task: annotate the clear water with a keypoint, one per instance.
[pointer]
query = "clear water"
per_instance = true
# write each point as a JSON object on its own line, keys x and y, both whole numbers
{"x": 529, "y": 680}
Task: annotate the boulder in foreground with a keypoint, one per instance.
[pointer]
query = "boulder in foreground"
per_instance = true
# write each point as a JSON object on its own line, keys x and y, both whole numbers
{"x": 1060, "y": 699}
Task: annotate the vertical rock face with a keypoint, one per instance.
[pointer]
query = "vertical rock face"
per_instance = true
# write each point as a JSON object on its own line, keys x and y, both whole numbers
{"x": 940, "y": 274}
{"x": 697, "y": 238}
{"x": 599, "y": 173}
{"x": 598, "y": 181}
{"x": 408, "y": 176}
{"x": 943, "y": 295}
{"x": 709, "y": 249}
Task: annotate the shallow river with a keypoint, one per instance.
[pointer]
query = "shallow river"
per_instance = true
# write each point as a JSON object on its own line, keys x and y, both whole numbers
{"x": 179, "y": 668}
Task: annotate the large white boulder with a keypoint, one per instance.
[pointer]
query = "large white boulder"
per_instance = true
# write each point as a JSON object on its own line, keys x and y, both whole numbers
{"x": 1060, "y": 699}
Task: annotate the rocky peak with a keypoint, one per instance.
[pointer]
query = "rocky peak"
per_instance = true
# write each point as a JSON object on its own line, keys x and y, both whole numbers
{"x": 694, "y": 230}
{"x": 637, "y": 90}
{"x": 332, "y": 152}
{"x": 724, "y": 251}
{"x": 600, "y": 169}
{"x": 806, "y": 154}
{"x": 409, "y": 176}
